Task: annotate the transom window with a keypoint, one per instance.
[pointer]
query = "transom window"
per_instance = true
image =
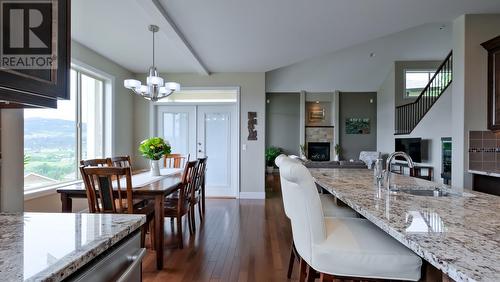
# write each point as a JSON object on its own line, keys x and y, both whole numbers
{"x": 56, "y": 139}
{"x": 415, "y": 81}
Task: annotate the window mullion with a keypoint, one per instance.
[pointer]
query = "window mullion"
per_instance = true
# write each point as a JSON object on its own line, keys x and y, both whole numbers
{"x": 78, "y": 119}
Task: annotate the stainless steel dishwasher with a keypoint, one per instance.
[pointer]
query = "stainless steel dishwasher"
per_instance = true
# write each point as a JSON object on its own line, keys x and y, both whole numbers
{"x": 123, "y": 264}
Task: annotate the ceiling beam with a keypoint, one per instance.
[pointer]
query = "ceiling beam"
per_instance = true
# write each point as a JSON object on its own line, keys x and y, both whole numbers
{"x": 168, "y": 26}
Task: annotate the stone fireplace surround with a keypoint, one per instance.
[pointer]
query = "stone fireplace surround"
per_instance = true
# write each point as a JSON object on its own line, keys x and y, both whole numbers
{"x": 322, "y": 134}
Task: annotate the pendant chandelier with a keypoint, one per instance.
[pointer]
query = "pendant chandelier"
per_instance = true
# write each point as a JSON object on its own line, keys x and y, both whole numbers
{"x": 155, "y": 88}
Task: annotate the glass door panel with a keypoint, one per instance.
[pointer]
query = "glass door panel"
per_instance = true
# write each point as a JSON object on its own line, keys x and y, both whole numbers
{"x": 177, "y": 125}
{"x": 217, "y": 139}
{"x": 217, "y": 144}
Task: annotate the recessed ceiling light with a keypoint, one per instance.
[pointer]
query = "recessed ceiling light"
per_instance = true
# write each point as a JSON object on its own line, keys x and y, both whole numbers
{"x": 372, "y": 55}
{"x": 317, "y": 102}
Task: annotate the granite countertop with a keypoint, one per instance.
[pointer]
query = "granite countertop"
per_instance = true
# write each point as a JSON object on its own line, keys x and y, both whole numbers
{"x": 458, "y": 234}
{"x": 51, "y": 246}
{"x": 491, "y": 172}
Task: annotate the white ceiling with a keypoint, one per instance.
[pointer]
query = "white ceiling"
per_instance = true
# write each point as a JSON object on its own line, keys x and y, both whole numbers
{"x": 118, "y": 30}
{"x": 250, "y": 35}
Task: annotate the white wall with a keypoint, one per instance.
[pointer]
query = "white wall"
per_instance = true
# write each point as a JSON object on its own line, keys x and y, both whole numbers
{"x": 253, "y": 98}
{"x": 353, "y": 70}
{"x": 469, "y": 86}
{"x": 434, "y": 125}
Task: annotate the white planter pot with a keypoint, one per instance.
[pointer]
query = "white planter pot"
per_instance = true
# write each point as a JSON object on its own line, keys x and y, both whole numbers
{"x": 336, "y": 158}
{"x": 155, "y": 168}
{"x": 269, "y": 169}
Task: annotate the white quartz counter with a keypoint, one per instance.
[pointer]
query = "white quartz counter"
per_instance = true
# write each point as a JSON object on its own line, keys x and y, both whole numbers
{"x": 50, "y": 247}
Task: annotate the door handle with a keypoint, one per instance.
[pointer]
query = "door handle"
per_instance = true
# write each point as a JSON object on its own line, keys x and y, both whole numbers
{"x": 199, "y": 151}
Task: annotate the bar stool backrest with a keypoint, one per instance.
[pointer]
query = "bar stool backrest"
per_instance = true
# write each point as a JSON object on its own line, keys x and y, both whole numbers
{"x": 306, "y": 214}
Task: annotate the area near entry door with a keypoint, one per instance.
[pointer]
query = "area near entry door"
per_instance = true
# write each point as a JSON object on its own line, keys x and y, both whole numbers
{"x": 206, "y": 131}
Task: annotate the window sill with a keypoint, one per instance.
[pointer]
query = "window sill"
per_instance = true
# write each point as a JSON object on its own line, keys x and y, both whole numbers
{"x": 47, "y": 190}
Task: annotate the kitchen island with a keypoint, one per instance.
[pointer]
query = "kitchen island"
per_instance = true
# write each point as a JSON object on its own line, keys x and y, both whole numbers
{"x": 459, "y": 234}
{"x": 53, "y": 246}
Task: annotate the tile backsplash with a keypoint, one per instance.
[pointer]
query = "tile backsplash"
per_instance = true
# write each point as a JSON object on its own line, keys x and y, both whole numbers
{"x": 484, "y": 151}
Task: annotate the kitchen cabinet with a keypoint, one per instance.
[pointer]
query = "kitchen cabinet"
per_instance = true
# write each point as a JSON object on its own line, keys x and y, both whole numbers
{"x": 35, "y": 56}
{"x": 122, "y": 264}
{"x": 493, "y": 48}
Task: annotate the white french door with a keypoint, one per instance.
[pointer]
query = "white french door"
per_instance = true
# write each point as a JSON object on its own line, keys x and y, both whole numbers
{"x": 177, "y": 125}
{"x": 205, "y": 131}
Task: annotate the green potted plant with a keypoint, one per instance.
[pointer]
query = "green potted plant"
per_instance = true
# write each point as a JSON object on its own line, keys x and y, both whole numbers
{"x": 154, "y": 149}
{"x": 338, "y": 152}
{"x": 271, "y": 154}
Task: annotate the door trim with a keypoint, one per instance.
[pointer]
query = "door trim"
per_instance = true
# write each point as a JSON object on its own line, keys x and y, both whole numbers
{"x": 153, "y": 118}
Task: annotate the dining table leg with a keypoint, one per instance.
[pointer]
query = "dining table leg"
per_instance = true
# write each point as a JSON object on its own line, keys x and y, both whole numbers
{"x": 159, "y": 226}
{"x": 66, "y": 203}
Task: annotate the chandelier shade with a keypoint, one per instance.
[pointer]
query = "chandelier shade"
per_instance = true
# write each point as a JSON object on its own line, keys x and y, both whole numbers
{"x": 155, "y": 88}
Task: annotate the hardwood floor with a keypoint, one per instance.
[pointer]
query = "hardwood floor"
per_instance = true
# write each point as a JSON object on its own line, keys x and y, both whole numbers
{"x": 241, "y": 240}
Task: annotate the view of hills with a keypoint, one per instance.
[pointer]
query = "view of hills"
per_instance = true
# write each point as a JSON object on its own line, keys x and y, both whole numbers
{"x": 40, "y": 133}
{"x": 50, "y": 146}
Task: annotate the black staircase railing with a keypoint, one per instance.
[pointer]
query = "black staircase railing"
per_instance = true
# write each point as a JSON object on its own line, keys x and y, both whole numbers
{"x": 409, "y": 115}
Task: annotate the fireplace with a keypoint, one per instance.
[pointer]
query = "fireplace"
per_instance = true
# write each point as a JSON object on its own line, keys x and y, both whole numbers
{"x": 318, "y": 151}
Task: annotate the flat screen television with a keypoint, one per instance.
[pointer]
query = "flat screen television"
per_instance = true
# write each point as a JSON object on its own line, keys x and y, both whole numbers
{"x": 411, "y": 146}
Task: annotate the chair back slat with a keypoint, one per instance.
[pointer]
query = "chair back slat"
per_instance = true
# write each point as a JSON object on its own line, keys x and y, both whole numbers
{"x": 121, "y": 161}
{"x": 175, "y": 160}
{"x": 95, "y": 162}
{"x": 188, "y": 182}
{"x": 200, "y": 173}
{"x": 102, "y": 196}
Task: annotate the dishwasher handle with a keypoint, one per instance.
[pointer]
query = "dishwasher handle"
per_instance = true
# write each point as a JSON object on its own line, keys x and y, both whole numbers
{"x": 136, "y": 260}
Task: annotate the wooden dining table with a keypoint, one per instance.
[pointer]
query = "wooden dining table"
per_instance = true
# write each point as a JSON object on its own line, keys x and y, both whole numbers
{"x": 156, "y": 189}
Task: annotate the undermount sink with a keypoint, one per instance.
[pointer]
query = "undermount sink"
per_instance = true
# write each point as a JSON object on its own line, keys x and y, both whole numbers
{"x": 426, "y": 192}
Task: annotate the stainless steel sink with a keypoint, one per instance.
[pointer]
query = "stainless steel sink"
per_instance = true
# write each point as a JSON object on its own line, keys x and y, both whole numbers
{"x": 426, "y": 192}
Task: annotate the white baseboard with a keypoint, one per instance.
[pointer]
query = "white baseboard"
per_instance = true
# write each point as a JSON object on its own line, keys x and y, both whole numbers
{"x": 253, "y": 195}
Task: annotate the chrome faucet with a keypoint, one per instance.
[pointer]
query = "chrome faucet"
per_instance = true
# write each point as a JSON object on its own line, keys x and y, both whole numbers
{"x": 388, "y": 167}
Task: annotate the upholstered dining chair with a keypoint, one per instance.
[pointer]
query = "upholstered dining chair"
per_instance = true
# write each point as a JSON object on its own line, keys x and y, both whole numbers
{"x": 341, "y": 248}
{"x": 100, "y": 183}
{"x": 328, "y": 205}
{"x": 178, "y": 205}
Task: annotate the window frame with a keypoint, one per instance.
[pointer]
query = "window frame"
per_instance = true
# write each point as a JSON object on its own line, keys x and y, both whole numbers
{"x": 414, "y": 70}
{"x": 47, "y": 189}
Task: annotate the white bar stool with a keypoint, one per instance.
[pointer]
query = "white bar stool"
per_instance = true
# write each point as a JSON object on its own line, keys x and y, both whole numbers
{"x": 328, "y": 205}
{"x": 341, "y": 248}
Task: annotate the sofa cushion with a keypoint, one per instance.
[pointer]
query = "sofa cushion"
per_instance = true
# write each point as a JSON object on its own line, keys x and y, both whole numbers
{"x": 334, "y": 164}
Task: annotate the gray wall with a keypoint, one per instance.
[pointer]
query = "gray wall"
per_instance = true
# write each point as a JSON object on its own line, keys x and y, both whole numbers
{"x": 12, "y": 173}
{"x": 357, "y": 105}
{"x": 122, "y": 100}
{"x": 283, "y": 121}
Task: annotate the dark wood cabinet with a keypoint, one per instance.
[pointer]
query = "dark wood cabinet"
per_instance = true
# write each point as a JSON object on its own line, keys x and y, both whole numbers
{"x": 493, "y": 48}
{"x": 35, "y": 65}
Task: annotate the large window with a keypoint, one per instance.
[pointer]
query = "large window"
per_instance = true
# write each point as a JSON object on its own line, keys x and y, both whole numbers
{"x": 55, "y": 140}
{"x": 416, "y": 80}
